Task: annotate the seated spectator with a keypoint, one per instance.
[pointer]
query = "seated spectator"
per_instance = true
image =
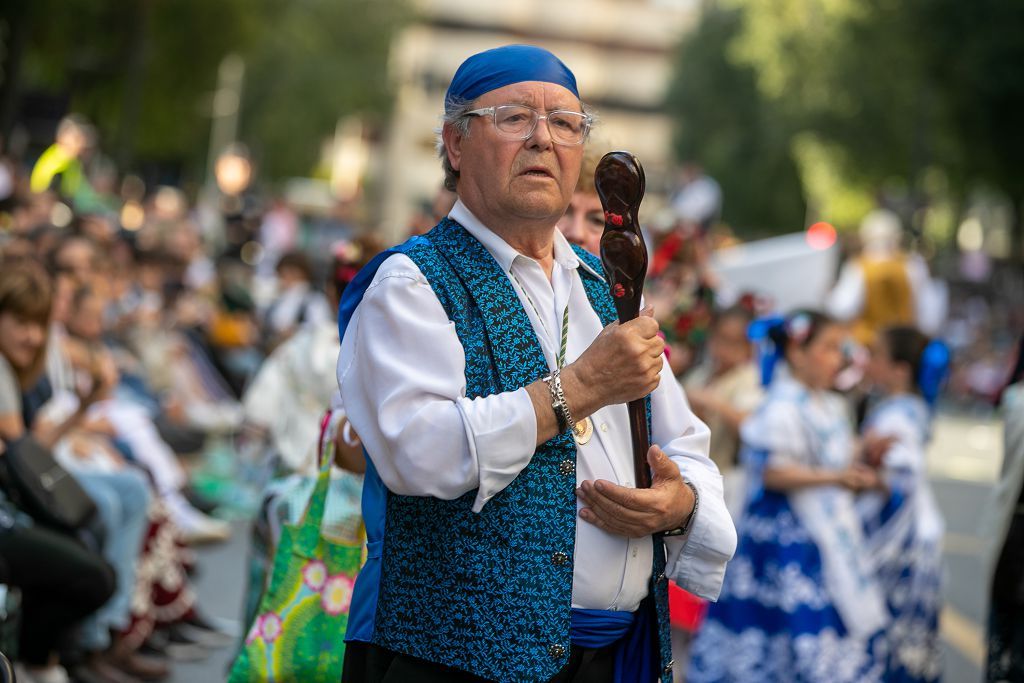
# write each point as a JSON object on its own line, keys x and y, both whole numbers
{"x": 296, "y": 303}
{"x": 723, "y": 390}
{"x": 62, "y": 581}
{"x": 131, "y": 424}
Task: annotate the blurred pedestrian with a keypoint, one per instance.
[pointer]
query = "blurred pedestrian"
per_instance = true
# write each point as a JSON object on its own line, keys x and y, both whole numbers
{"x": 1006, "y": 611}
{"x": 885, "y": 285}
{"x": 59, "y": 168}
{"x": 902, "y": 524}
{"x": 297, "y": 302}
{"x": 723, "y": 391}
{"x": 698, "y": 202}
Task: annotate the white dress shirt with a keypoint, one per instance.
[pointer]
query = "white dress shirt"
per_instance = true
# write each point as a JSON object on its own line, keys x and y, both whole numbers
{"x": 402, "y": 376}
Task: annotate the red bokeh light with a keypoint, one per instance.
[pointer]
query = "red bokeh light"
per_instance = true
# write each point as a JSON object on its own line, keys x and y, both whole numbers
{"x": 821, "y": 235}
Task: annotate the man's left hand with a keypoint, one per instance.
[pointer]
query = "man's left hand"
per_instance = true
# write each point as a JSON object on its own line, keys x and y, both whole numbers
{"x": 639, "y": 512}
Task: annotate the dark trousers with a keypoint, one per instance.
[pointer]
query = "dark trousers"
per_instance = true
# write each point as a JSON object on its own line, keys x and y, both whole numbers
{"x": 366, "y": 663}
{"x": 61, "y": 582}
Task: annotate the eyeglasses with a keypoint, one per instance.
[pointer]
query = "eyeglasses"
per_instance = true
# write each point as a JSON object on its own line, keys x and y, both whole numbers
{"x": 518, "y": 122}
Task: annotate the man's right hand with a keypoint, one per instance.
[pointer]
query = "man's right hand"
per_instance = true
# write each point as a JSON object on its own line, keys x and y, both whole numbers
{"x": 622, "y": 364}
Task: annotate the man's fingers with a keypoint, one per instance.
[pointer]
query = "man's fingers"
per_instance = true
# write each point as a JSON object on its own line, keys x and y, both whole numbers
{"x": 646, "y": 326}
{"x": 629, "y": 498}
{"x": 661, "y": 465}
{"x": 611, "y": 526}
{"x": 607, "y": 506}
{"x": 647, "y": 311}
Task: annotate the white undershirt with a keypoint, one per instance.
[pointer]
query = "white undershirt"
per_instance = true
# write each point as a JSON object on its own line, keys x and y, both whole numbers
{"x": 402, "y": 376}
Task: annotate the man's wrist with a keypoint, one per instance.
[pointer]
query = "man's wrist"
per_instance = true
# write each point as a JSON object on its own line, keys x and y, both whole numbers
{"x": 687, "y": 522}
{"x": 577, "y": 392}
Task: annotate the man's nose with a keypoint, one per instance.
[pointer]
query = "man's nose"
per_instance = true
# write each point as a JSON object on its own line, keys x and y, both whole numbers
{"x": 541, "y": 137}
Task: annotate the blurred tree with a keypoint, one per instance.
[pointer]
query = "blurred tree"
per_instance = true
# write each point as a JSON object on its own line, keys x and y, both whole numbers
{"x": 862, "y": 94}
{"x": 145, "y": 70}
{"x": 975, "y": 53}
{"x": 315, "y": 61}
{"x": 723, "y": 122}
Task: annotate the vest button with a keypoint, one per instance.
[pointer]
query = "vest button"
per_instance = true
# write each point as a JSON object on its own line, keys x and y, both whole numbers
{"x": 559, "y": 558}
{"x": 668, "y": 667}
{"x": 556, "y": 651}
{"x": 566, "y": 467}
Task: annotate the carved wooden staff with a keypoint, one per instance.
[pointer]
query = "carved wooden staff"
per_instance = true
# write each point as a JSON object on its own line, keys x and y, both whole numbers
{"x": 619, "y": 179}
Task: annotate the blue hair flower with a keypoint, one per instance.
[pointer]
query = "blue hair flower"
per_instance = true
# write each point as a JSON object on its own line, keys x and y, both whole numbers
{"x": 933, "y": 370}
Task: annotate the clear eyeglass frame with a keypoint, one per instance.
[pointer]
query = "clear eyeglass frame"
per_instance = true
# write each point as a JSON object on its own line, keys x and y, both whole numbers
{"x": 565, "y": 127}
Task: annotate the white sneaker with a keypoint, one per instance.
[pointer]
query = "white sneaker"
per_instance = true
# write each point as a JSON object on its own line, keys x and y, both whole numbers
{"x": 195, "y": 526}
{"x": 203, "y": 529}
{"x": 21, "y": 675}
{"x": 49, "y": 674}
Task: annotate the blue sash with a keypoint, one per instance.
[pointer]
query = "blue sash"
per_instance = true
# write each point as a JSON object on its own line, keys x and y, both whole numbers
{"x": 594, "y": 628}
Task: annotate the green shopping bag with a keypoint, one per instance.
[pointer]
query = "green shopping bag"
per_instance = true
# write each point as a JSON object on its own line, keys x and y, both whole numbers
{"x": 299, "y": 630}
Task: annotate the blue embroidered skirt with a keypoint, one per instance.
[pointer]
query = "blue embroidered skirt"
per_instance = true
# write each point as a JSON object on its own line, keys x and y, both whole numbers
{"x": 774, "y": 621}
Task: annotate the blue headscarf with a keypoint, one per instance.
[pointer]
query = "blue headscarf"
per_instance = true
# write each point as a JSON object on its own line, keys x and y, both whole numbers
{"x": 493, "y": 69}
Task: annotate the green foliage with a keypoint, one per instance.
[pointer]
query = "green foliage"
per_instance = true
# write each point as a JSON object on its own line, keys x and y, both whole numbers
{"x": 726, "y": 124}
{"x": 145, "y": 70}
{"x": 323, "y": 59}
{"x": 859, "y": 94}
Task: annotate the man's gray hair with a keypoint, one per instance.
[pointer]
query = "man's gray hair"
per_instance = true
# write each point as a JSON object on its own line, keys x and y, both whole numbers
{"x": 456, "y": 114}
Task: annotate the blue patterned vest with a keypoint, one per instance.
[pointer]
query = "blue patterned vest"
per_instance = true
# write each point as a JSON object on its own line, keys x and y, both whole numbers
{"x": 489, "y": 593}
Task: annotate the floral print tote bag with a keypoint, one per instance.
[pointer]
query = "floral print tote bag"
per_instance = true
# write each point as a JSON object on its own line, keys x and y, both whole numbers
{"x": 299, "y": 630}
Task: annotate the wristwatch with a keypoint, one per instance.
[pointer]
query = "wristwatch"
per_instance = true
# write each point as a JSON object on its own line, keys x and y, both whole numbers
{"x": 679, "y": 531}
{"x": 558, "y": 404}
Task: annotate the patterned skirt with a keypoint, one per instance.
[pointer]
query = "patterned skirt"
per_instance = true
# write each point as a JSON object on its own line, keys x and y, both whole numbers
{"x": 909, "y": 570}
{"x": 163, "y": 592}
{"x": 774, "y": 621}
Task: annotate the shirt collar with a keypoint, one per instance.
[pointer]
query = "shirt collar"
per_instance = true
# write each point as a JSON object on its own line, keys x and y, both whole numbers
{"x": 503, "y": 252}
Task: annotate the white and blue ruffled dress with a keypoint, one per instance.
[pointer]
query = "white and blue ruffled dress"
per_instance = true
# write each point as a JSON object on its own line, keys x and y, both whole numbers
{"x": 799, "y": 603}
{"x": 903, "y": 530}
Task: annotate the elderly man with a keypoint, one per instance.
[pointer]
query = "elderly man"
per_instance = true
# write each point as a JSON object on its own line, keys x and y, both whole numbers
{"x": 482, "y": 367}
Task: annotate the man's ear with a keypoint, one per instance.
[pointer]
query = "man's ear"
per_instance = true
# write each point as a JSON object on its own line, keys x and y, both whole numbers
{"x": 452, "y": 138}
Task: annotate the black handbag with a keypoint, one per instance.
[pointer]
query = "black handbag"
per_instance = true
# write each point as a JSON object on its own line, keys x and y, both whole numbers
{"x": 43, "y": 489}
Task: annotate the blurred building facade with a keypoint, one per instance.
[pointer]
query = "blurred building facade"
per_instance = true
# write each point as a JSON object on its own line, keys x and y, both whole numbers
{"x": 620, "y": 50}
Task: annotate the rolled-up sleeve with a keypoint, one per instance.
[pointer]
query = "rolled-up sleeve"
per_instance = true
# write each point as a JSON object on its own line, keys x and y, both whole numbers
{"x": 697, "y": 560}
{"x": 401, "y": 371}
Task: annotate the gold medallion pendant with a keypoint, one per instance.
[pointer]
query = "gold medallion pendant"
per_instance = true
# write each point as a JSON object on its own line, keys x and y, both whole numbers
{"x": 583, "y": 430}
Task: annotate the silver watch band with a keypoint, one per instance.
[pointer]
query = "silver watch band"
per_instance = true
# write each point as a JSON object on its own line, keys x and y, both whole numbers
{"x": 558, "y": 404}
{"x": 679, "y": 531}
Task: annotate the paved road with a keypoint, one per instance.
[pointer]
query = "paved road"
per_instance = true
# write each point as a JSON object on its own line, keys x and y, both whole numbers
{"x": 221, "y": 585}
{"x": 963, "y": 463}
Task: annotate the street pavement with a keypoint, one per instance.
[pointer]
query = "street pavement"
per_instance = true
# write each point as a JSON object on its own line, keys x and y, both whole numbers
{"x": 963, "y": 464}
{"x": 220, "y": 584}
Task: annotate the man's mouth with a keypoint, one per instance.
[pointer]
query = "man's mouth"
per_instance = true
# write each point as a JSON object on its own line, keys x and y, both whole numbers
{"x": 538, "y": 172}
